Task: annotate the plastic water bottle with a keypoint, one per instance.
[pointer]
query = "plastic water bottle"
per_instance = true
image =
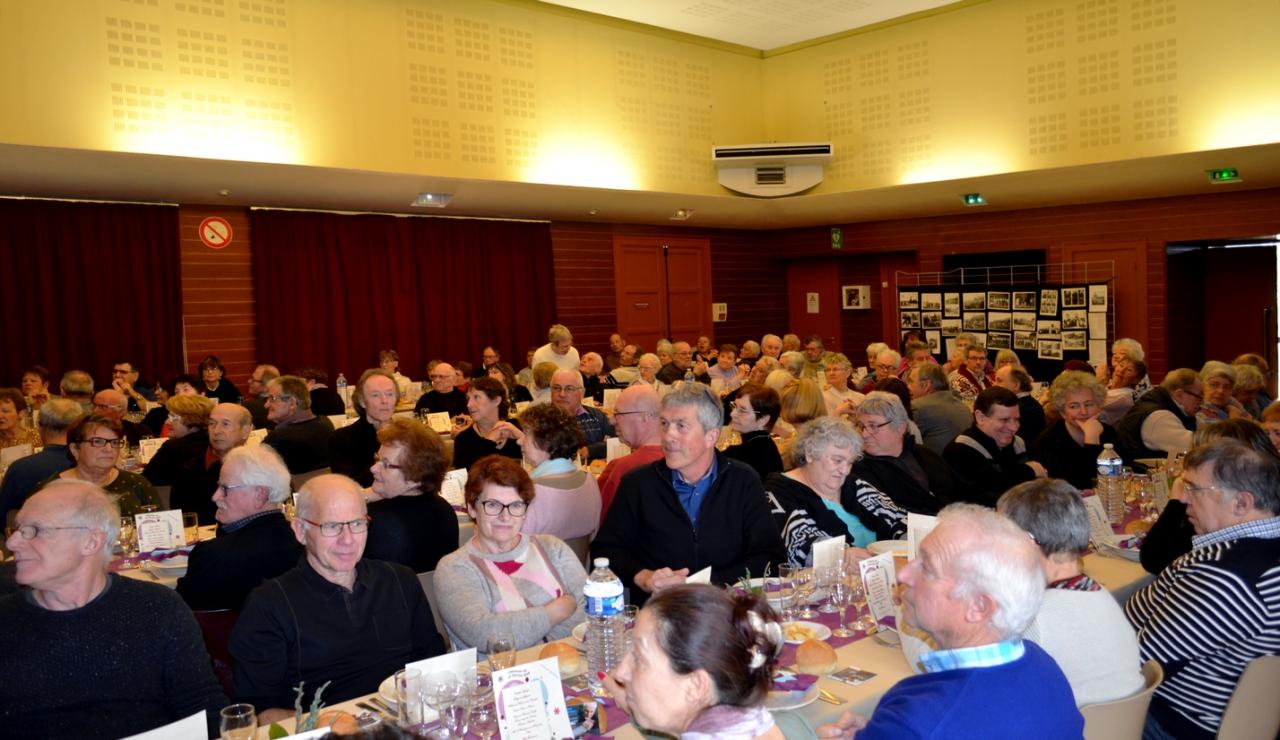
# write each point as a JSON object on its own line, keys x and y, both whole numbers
{"x": 605, "y": 631}
{"x": 688, "y": 374}
{"x": 342, "y": 389}
{"x": 1110, "y": 488}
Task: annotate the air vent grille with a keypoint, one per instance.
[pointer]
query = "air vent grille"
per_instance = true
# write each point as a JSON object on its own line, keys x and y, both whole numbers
{"x": 771, "y": 175}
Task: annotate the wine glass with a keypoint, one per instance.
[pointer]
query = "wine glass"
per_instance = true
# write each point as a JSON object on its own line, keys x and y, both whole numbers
{"x": 804, "y": 593}
{"x": 238, "y": 722}
{"x": 864, "y": 622}
{"x": 787, "y": 591}
{"x": 501, "y": 649}
{"x": 484, "y": 720}
{"x": 438, "y": 690}
{"x": 455, "y": 713}
{"x": 826, "y": 577}
{"x": 841, "y": 598}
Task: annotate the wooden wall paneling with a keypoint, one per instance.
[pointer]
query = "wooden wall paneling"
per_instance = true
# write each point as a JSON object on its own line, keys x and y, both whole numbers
{"x": 748, "y": 274}
{"x": 821, "y": 277}
{"x": 583, "y": 257}
{"x": 219, "y": 314}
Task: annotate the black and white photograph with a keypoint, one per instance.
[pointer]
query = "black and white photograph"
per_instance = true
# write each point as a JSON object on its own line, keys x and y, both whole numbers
{"x": 910, "y": 320}
{"x": 951, "y": 327}
{"x": 1024, "y": 300}
{"x": 997, "y": 300}
{"x": 998, "y": 320}
{"x": 931, "y": 320}
{"x": 998, "y": 340}
{"x": 1049, "y": 302}
{"x": 856, "y": 296}
{"x": 976, "y": 321}
{"x": 1024, "y": 320}
{"x": 1049, "y": 329}
{"x": 935, "y": 341}
{"x": 1024, "y": 340}
{"x": 1098, "y": 298}
{"x": 930, "y": 301}
{"x": 951, "y": 305}
{"x": 1075, "y": 319}
{"x": 1073, "y": 297}
{"x": 908, "y": 301}
{"x": 975, "y": 301}
{"x": 1074, "y": 340}
{"x": 1049, "y": 349}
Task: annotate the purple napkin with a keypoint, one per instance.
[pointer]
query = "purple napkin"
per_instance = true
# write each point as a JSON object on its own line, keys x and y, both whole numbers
{"x": 790, "y": 681}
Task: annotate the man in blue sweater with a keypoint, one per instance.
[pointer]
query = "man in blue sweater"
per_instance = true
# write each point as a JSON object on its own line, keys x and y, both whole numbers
{"x": 974, "y": 586}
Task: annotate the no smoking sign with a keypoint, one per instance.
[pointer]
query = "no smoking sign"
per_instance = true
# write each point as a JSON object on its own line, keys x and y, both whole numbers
{"x": 215, "y": 232}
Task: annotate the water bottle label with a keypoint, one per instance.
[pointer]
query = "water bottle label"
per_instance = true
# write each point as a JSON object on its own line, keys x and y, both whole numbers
{"x": 604, "y": 605}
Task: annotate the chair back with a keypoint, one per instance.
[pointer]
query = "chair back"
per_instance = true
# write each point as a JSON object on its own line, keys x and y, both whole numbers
{"x": 1122, "y": 719}
{"x": 580, "y": 547}
{"x": 1253, "y": 711}
{"x": 215, "y": 627}
{"x": 296, "y": 481}
{"x": 428, "y": 581}
{"x": 162, "y": 493}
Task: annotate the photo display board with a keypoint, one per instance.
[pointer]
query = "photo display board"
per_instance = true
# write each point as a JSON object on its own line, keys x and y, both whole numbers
{"x": 1046, "y": 325}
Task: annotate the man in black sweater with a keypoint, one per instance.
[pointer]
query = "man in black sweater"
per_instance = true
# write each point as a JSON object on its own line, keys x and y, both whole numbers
{"x": 92, "y": 654}
{"x": 301, "y": 437}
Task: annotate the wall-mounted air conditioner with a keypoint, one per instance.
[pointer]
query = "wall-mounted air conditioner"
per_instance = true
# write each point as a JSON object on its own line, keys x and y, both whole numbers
{"x": 771, "y": 170}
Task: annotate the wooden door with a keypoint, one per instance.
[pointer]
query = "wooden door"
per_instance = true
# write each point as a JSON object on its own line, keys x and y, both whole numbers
{"x": 662, "y": 288}
{"x": 820, "y": 278}
{"x": 890, "y": 265}
{"x": 1128, "y": 292}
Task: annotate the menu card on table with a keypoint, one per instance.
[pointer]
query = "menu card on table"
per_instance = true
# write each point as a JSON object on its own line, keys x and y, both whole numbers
{"x": 878, "y": 578}
{"x": 530, "y": 702}
{"x": 439, "y": 422}
{"x": 828, "y": 552}
{"x": 702, "y": 576}
{"x": 453, "y": 489}
{"x": 1100, "y": 532}
{"x": 147, "y": 448}
{"x": 918, "y": 527}
{"x": 160, "y": 530}
{"x": 611, "y": 397}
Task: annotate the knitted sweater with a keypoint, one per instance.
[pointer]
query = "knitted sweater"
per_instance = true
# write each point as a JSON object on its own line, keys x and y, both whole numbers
{"x": 1087, "y": 634}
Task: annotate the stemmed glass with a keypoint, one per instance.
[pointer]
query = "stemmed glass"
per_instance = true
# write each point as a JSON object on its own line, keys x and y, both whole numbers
{"x": 438, "y": 690}
{"x": 826, "y": 577}
{"x": 501, "y": 649}
{"x": 484, "y": 720}
{"x": 841, "y": 598}
{"x": 803, "y": 580}
{"x": 238, "y": 722}
{"x": 864, "y": 622}
{"x": 787, "y": 591}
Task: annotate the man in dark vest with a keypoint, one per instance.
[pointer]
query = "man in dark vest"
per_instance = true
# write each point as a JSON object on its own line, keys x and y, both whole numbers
{"x": 1163, "y": 419}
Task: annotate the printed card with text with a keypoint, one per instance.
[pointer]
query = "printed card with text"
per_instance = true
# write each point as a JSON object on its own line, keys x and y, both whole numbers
{"x": 160, "y": 530}
{"x": 1100, "y": 532}
{"x": 828, "y": 552}
{"x": 530, "y": 702}
{"x": 440, "y": 422}
{"x": 918, "y": 527}
{"x": 147, "y": 448}
{"x": 878, "y": 577}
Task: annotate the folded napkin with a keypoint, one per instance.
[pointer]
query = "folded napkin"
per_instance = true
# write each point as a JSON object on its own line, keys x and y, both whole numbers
{"x": 784, "y": 680}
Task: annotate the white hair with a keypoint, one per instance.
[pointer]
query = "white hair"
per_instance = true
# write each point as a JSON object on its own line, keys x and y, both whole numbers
{"x": 778, "y": 379}
{"x": 1000, "y": 561}
{"x": 874, "y": 349}
{"x": 261, "y": 466}
{"x": 1130, "y": 347}
{"x": 793, "y": 361}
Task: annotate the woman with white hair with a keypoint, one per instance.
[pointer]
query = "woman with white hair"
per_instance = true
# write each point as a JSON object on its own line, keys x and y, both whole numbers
{"x": 1219, "y": 380}
{"x": 806, "y": 500}
{"x": 1070, "y": 447}
{"x": 894, "y": 466}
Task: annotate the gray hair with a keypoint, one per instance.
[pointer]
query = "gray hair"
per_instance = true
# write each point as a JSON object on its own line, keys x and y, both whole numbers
{"x": 779, "y": 379}
{"x": 752, "y": 345}
{"x": 77, "y": 382}
{"x": 650, "y": 356}
{"x": 58, "y": 414}
{"x": 1052, "y": 512}
{"x": 1002, "y": 562}
{"x": 664, "y": 347}
{"x": 1248, "y": 378}
{"x": 1176, "y": 380}
{"x": 595, "y": 359}
{"x": 767, "y": 337}
{"x": 559, "y": 333}
{"x": 1074, "y": 381}
{"x": 888, "y": 405}
{"x": 837, "y": 358}
{"x": 894, "y": 358}
{"x": 814, "y": 438}
{"x": 1239, "y": 468}
{"x": 874, "y": 349}
{"x": 306, "y": 506}
{"x": 793, "y": 362}
{"x": 936, "y": 376}
{"x": 769, "y": 364}
{"x": 96, "y": 510}
{"x": 1216, "y": 369}
{"x": 1130, "y": 348}
{"x": 707, "y": 405}
{"x": 263, "y": 467}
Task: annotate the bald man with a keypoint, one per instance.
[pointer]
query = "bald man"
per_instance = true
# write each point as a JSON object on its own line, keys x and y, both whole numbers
{"x": 335, "y": 617}
{"x": 444, "y": 395}
{"x": 635, "y": 417}
{"x": 113, "y": 404}
{"x": 230, "y": 425}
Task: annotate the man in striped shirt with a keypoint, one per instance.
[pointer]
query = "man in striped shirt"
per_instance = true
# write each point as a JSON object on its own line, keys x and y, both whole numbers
{"x": 1218, "y": 607}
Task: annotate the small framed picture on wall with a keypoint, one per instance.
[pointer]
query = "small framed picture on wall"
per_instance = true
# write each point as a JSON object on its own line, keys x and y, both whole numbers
{"x": 856, "y": 296}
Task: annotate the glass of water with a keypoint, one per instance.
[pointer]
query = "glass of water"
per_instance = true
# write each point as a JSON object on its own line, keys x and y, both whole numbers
{"x": 238, "y": 722}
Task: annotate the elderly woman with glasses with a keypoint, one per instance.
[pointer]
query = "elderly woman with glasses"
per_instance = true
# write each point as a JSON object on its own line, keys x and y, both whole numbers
{"x": 504, "y": 581}
{"x": 752, "y": 415}
{"x": 1219, "y": 404}
{"x": 1070, "y": 447}
{"x": 188, "y": 438}
{"x": 412, "y": 524}
{"x": 94, "y": 443}
{"x": 895, "y": 466}
{"x": 806, "y": 501}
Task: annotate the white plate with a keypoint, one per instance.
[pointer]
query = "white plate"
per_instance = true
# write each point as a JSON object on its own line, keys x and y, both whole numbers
{"x": 387, "y": 692}
{"x": 896, "y": 548}
{"x": 782, "y": 700}
{"x": 820, "y": 631}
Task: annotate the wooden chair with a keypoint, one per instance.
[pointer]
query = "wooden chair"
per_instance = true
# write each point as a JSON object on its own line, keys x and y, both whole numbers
{"x": 215, "y": 626}
{"x": 1122, "y": 719}
{"x": 296, "y": 481}
{"x": 1253, "y": 711}
{"x": 428, "y": 581}
{"x": 581, "y": 546}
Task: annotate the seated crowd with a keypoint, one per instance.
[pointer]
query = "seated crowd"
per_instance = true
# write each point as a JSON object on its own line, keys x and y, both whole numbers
{"x": 734, "y": 459}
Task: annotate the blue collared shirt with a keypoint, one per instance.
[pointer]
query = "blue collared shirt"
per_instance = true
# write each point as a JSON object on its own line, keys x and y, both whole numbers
{"x": 692, "y": 494}
{"x": 981, "y": 656}
{"x": 242, "y": 522}
{"x": 1266, "y": 529}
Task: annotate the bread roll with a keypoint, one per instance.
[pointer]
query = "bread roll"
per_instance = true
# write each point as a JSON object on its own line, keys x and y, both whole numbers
{"x": 815, "y": 657}
{"x": 570, "y": 659}
{"x": 338, "y": 722}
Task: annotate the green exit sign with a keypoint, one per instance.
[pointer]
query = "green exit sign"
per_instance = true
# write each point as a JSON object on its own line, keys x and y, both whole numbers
{"x": 1226, "y": 174}
{"x": 837, "y": 237}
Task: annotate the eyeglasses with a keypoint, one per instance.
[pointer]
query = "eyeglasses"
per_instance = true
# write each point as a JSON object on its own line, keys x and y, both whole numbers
{"x": 333, "y": 529}
{"x": 565, "y": 388}
{"x": 104, "y": 442}
{"x": 279, "y": 398}
{"x": 1193, "y": 394}
{"x": 493, "y": 507}
{"x": 886, "y": 368}
{"x": 626, "y": 413}
{"x": 32, "y": 531}
{"x": 378, "y": 460}
{"x": 1193, "y": 489}
{"x": 870, "y": 426}
{"x": 228, "y": 489}
{"x": 743, "y": 410}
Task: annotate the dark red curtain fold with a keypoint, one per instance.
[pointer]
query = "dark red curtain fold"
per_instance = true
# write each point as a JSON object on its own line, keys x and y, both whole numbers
{"x": 88, "y": 283}
{"x": 332, "y": 290}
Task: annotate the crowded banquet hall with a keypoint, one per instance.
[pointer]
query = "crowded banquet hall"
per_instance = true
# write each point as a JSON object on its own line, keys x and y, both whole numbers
{"x": 682, "y": 368}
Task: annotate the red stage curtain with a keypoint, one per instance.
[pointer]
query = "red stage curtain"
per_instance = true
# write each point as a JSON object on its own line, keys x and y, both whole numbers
{"x": 89, "y": 283}
{"x": 332, "y": 290}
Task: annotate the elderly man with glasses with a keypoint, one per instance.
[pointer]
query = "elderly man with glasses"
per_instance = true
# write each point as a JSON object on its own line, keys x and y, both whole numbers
{"x": 335, "y": 617}
{"x": 301, "y": 437}
{"x": 254, "y": 542}
{"x": 567, "y": 389}
{"x": 91, "y": 654}
{"x": 444, "y": 396}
